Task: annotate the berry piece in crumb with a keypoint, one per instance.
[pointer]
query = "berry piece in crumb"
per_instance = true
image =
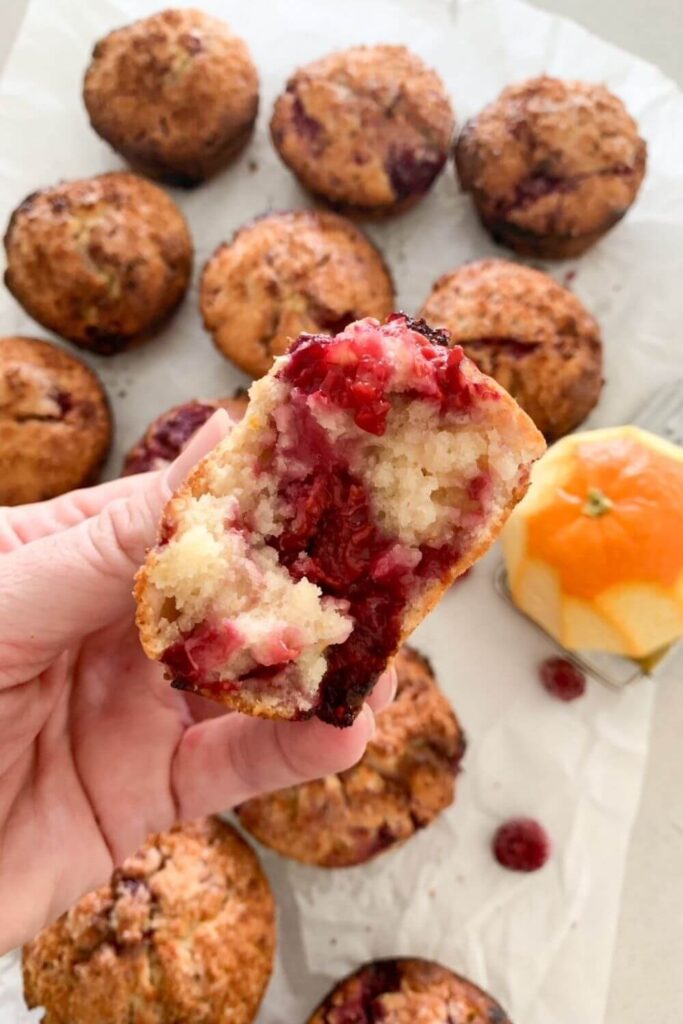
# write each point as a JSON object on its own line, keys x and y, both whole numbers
{"x": 562, "y": 678}
{"x": 521, "y": 844}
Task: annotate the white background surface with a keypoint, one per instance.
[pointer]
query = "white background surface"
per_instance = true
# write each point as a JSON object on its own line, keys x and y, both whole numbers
{"x": 647, "y": 984}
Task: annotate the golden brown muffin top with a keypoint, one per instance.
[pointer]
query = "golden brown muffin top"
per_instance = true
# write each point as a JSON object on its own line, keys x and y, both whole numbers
{"x": 287, "y": 273}
{"x": 99, "y": 260}
{"x": 403, "y": 781}
{"x": 408, "y": 991}
{"x": 55, "y": 425}
{"x": 368, "y": 127}
{"x": 168, "y": 434}
{"x": 523, "y": 328}
{"x": 183, "y": 932}
{"x": 172, "y": 91}
{"x": 554, "y": 157}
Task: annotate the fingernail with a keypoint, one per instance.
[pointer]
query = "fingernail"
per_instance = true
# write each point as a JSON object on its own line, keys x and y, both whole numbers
{"x": 370, "y": 719}
{"x": 393, "y": 675}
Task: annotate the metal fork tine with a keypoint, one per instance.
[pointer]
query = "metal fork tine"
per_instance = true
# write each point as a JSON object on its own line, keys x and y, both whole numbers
{"x": 663, "y": 413}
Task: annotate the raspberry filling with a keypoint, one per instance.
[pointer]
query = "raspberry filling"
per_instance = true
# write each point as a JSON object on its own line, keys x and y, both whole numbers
{"x": 332, "y": 540}
{"x": 521, "y": 845}
{"x": 331, "y": 537}
{"x": 207, "y": 647}
{"x": 306, "y": 127}
{"x": 170, "y": 437}
{"x": 352, "y": 372}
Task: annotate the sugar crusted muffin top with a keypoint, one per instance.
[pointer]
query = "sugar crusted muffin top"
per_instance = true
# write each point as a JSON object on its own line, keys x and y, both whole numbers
{"x": 523, "y": 328}
{"x": 184, "y": 931}
{"x": 100, "y": 260}
{"x": 286, "y": 273}
{"x": 367, "y": 129}
{"x": 176, "y": 93}
{"x": 405, "y": 991}
{"x": 55, "y": 423}
{"x": 551, "y": 164}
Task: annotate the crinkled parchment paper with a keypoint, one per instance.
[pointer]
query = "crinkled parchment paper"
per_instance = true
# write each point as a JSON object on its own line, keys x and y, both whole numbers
{"x": 541, "y": 943}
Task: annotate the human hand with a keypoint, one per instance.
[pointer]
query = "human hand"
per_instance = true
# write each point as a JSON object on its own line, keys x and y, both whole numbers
{"x": 96, "y": 750}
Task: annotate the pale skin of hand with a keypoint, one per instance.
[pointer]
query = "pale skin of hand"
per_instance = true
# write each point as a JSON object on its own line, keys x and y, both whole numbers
{"x": 96, "y": 749}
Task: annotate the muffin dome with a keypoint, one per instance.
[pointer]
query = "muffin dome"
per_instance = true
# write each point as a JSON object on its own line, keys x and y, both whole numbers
{"x": 405, "y": 779}
{"x": 176, "y": 94}
{"x": 55, "y": 424}
{"x": 523, "y": 328}
{"x": 367, "y": 129}
{"x": 551, "y": 165}
{"x": 184, "y": 931}
{"x": 168, "y": 434}
{"x": 287, "y": 273}
{"x": 101, "y": 261}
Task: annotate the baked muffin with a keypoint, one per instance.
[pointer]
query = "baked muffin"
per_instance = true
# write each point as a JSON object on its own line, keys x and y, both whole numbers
{"x": 407, "y": 991}
{"x": 176, "y": 94}
{"x": 101, "y": 261}
{"x": 289, "y": 273}
{"x": 405, "y": 779}
{"x": 552, "y": 165}
{"x": 55, "y": 424}
{"x": 167, "y": 435}
{"x": 185, "y": 931}
{"x": 367, "y": 129}
{"x": 370, "y": 470}
{"x": 531, "y": 334}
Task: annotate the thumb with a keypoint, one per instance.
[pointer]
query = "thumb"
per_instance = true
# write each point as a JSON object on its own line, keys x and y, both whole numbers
{"x": 67, "y": 585}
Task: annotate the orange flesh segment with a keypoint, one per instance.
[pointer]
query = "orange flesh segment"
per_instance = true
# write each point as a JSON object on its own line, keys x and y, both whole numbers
{"x": 640, "y": 537}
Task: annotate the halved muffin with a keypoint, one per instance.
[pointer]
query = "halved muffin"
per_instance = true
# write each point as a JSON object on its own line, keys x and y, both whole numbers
{"x": 370, "y": 470}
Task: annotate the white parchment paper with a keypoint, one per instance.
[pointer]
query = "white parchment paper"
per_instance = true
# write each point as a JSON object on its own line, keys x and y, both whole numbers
{"x": 541, "y": 943}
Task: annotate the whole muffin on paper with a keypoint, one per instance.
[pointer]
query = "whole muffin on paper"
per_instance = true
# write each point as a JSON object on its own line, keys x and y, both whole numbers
{"x": 526, "y": 330}
{"x": 55, "y": 422}
{"x": 371, "y": 469}
{"x": 367, "y": 129}
{"x": 176, "y": 94}
{"x": 102, "y": 261}
{"x": 184, "y": 931}
{"x": 286, "y": 273}
{"x": 551, "y": 165}
{"x": 407, "y": 991}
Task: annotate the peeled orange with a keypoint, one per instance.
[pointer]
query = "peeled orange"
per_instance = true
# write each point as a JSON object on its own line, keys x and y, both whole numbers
{"x": 594, "y": 552}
